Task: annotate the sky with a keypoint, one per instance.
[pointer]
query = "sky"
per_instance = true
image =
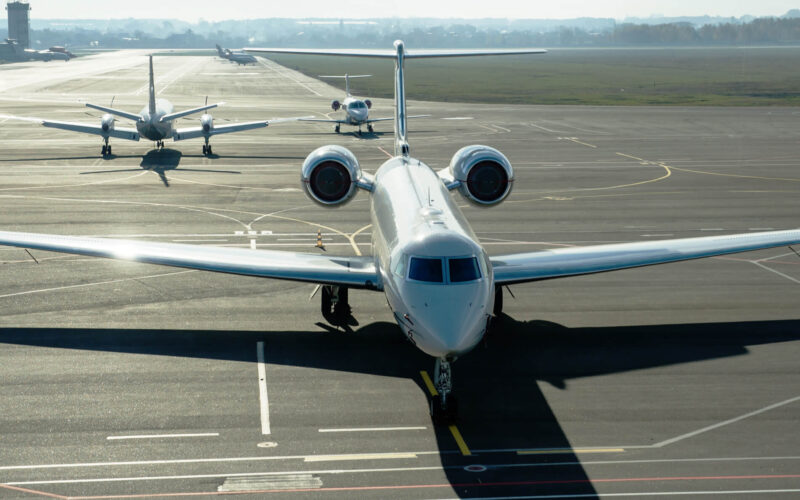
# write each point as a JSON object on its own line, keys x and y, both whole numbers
{"x": 193, "y": 10}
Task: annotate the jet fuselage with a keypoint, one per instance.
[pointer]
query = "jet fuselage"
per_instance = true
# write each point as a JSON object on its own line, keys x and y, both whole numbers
{"x": 150, "y": 126}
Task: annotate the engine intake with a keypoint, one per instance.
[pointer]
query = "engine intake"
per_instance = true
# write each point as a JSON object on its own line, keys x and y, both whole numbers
{"x": 485, "y": 174}
{"x": 330, "y": 174}
{"x": 335, "y": 105}
{"x": 368, "y": 103}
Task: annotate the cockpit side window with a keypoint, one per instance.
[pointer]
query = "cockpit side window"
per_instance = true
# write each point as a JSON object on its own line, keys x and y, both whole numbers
{"x": 426, "y": 269}
{"x": 463, "y": 269}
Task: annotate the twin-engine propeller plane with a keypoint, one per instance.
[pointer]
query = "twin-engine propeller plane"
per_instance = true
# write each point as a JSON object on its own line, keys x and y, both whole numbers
{"x": 155, "y": 122}
{"x": 440, "y": 283}
{"x": 356, "y": 110}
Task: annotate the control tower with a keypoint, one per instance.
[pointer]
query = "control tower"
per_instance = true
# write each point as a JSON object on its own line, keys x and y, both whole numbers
{"x": 18, "y": 23}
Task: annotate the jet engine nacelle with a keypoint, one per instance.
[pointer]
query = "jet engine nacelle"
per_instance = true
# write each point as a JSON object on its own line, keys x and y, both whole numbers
{"x": 330, "y": 174}
{"x": 485, "y": 174}
{"x": 368, "y": 103}
{"x": 335, "y": 105}
{"x": 107, "y": 122}
{"x": 207, "y": 122}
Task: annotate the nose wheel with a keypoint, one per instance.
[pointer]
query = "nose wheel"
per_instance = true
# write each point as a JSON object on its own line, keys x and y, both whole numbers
{"x": 207, "y": 149}
{"x": 369, "y": 129}
{"x": 106, "y": 150}
{"x": 443, "y": 406}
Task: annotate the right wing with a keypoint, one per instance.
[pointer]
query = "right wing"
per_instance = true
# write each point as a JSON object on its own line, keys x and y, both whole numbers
{"x": 118, "y": 132}
{"x": 192, "y": 132}
{"x": 392, "y": 54}
{"x": 576, "y": 261}
{"x": 323, "y": 121}
{"x": 354, "y": 272}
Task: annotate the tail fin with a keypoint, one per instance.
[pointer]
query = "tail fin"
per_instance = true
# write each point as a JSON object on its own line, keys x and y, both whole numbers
{"x": 152, "y": 105}
{"x": 346, "y": 80}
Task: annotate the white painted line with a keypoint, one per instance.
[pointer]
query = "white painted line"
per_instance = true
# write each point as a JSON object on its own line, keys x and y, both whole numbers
{"x": 253, "y": 244}
{"x": 638, "y": 494}
{"x": 266, "y": 232}
{"x": 762, "y": 266}
{"x": 375, "y": 429}
{"x": 43, "y": 290}
{"x": 712, "y": 229}
{"x": 262, "y": 389}
{"x": 358, "y": 456}
{"x": 726, "y": 422}
{"x": 761, "y": 229}
{"x": 238, "y": 233}
{"x": 459, "y": 118}
{"x": 199, "y": 241}
{"x": 160, "y": 436}
{"x": 543, "y": 128}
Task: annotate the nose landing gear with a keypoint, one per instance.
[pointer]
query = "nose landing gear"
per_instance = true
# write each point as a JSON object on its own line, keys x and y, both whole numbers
{"x": 106, "y": 148}
{"x": 443, "y": 406}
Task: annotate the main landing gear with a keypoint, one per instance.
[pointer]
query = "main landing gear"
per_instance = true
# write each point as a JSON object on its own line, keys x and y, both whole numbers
{"x": 207, "y": 149}
{"x": 444, "y": 406}
{"x": 336, "y": 129}
{"x": 160, "y": 144}
{"x": 369, "y": 129}
{"x": 335, "y": 304}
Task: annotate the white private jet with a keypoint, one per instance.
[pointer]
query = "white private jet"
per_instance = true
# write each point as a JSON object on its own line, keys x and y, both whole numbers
{"x": 440, "y": 283}
{"x": 154, "y": 122}
{"x": 356, "y": 110}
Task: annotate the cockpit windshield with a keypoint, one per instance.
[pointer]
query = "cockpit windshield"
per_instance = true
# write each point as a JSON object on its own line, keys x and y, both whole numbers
{"x": 356, "y": 105}
{"x": 463, "y": 269}
{"x": 426, "y": 269}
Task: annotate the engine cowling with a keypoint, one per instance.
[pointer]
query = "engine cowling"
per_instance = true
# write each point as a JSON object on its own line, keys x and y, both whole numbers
{"x": 107, "y": 122}
{"x": 330, "y": 174}
{"x": 368, "y": 103}
{"x": 485, "y": 174}
{"x": 207, "y": 122}
{"x": 335, "y": 105}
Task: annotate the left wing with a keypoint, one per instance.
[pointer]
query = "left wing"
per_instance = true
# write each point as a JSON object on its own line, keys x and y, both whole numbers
{"x": 549, "y": 264}
{"x": 355, "y": 272}
{"x": 130, "y": 134}
{"x": 192, "y": 132}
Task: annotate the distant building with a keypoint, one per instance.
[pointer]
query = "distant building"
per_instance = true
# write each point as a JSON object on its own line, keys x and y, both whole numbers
{"x": 19, "y": 25}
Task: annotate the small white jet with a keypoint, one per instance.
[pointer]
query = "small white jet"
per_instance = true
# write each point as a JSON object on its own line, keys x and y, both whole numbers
{"x": 439, "y": 282}
{"x": 155, "y": 122}
{"x": 237, "y": 57}
{"x": 356, "y": 110}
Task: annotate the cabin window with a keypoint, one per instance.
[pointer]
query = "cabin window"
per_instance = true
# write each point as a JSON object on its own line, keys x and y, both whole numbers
{"x": 425, "y": 269}
{"x": 463, "y": 269}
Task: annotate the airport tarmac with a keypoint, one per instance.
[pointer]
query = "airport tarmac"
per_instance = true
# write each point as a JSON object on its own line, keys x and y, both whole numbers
{"x": 122, "y": 380}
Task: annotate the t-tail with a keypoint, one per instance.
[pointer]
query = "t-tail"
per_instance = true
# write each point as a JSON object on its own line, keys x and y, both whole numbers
{"x": 152, "y": 105}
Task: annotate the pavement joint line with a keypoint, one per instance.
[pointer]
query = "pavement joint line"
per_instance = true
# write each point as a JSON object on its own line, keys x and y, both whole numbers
{"x": 570, "y": 451}
{"x": 97, "y": 283}
{"x": 262, "y": 388}
{"x": 576, "y": 141}
{"x": 160, "y": 436}
{"x": 359, "y": 456}
{"x": 762, "y": 266}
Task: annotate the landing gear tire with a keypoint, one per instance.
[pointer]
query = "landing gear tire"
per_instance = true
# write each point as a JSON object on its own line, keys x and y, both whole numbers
{"x": 209, "y": 150}
{"x": 336, "y": 129}
{"x": 108, "y": 150}
{"x": 444, "y": 413}
{"x": 498, "y": 300}
{"x": 369, "y": 129}
{"x": 335, "y": 304}
{"x": 205, "y": 149}
{"x": 105, "y": 150}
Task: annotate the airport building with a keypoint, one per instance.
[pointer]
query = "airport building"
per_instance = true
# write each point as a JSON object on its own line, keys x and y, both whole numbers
{"x": 19, "y": 25}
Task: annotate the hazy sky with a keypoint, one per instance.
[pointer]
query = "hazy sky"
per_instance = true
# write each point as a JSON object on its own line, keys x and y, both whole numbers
{"x": 192, "y": 10}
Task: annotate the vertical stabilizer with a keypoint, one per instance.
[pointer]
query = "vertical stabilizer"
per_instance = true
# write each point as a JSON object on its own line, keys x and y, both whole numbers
{"x": 152, "y": 105}
{"x": 400, "y": 138}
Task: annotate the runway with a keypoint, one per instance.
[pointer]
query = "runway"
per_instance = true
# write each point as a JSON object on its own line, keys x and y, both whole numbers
{"x": 121, "y": 380}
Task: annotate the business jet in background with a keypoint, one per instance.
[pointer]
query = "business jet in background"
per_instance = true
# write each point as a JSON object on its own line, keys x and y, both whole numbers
{"x": 439, "y": 282}
{"x": 356, "y": 110}
{"x": 154, "y": 122}
{"x": 237, "y": 57}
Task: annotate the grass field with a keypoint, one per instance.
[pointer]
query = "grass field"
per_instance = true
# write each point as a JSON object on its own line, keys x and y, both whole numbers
{"x": 662, "y": 76}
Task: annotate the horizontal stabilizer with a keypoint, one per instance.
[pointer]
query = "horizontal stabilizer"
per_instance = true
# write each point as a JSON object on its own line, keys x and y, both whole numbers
{"x": 117, "y": 112}
{"x": 180, "y": 114}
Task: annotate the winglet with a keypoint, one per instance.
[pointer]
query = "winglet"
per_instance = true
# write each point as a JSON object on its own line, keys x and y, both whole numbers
{"x": 152, "y": 105}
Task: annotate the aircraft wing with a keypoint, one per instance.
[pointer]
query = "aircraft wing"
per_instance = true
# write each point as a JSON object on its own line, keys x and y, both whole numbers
{"x": 186, "y": 112}
{"x": 561, "y": 262}
{"x": 324, "y": 121}
{"x": 192, "y": 132}
{"x": 392, "y": 54}
{"x": 130, "y": 134}
{"x": 355, "y": 272}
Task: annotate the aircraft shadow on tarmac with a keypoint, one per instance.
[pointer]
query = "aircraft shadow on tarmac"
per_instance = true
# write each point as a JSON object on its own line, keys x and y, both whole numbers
{"x": 501, "y": 405}
{"x": 160, "y": 161}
